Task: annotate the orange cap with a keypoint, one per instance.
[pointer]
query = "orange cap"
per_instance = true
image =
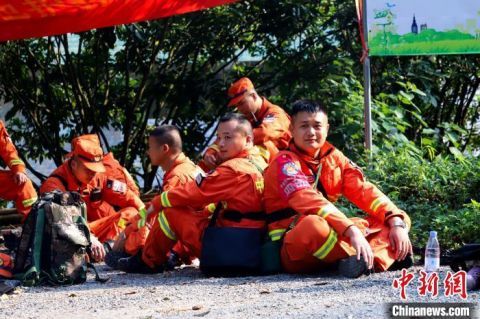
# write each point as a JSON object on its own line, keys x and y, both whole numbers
{"x": 6, "y": 266}
{"x": 87, "y": 149}
{"x": 238, "y": 89}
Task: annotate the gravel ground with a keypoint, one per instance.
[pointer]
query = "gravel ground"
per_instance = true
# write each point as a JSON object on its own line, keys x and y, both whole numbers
{"x": 185, "y": 293}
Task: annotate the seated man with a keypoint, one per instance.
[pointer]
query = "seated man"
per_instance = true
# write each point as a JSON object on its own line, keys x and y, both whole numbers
{"x": 270, "y": 123}
{"x": 236, "y": 184}
{"x": 110, "y": 203}
{"x": 14, "y": 183}
{"x": 301, "y": 184}
{"x": 164, "y": 150}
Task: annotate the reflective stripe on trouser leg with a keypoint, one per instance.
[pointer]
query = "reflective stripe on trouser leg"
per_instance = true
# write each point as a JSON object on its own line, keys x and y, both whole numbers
{"x": 327, "y": 246}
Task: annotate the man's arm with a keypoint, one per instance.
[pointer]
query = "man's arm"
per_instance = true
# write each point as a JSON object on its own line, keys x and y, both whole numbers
{"x": 212, "y": 188}
{"x": 367, "y": 196}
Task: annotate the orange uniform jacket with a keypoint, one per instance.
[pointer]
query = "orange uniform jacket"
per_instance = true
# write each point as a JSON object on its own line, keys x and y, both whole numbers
{"x": 8, "y": 152}
{"x": 118, "y": 172}
{"x": 236, "y": 183}
{"x": 113, "y": 192}
{"x": 291, "y": 175}
{"x": 271, "y": 131}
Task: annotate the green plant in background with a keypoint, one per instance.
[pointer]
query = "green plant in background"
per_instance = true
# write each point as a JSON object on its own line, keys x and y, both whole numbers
{"x": 442, "y": 194}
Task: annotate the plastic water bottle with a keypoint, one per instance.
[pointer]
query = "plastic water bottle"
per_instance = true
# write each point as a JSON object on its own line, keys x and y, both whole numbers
{"x": 432, "y": 253}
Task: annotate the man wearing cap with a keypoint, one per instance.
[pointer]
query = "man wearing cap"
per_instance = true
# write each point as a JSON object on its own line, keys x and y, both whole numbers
{"x": 110, "y": 203}
{"x": 14, "y": 183}
{"x": 270, "y": 122}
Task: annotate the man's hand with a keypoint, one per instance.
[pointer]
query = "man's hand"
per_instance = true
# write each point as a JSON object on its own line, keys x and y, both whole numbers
{"x": 361, "y": 245}
{"x": 210, "y": 160}
{"x": 20, "y": 178}
{"x": 399, "y": 239}
{"x": 98, "y": 251}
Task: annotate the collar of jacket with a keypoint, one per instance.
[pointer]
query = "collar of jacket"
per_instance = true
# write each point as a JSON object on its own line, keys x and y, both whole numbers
{"x": 313, "y": 162}
{"x": 181, "y": 158}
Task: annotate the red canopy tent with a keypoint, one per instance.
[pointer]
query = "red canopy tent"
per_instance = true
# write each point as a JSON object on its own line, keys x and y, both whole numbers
{"x": 21, "y": 19}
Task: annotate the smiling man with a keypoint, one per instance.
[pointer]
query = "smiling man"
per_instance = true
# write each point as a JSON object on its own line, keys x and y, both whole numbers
{"x": 236, "y": 184}
{"x": 301, "y": 185}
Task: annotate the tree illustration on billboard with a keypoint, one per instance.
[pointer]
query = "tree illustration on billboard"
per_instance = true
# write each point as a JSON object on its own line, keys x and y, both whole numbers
{"x": 423, "y": 27}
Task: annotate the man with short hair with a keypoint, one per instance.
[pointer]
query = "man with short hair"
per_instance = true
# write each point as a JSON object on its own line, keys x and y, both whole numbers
{"x": 110, "y": 203}
{"x": 236, "y": 184}
{"x": 301, "y": 185}
{"x": 14, "y": 183}
{"x": 269, "y": 121}
{"x": 165, "y": 150}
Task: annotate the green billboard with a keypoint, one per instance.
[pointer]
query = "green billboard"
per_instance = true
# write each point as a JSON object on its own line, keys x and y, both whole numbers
{"x": 423, "y": 27}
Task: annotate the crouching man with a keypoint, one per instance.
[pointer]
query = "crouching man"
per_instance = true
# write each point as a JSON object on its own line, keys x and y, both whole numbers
{"x": 236, "y": 184}
{"x": 301, "y": 185}
{"x": 110, "y": 203}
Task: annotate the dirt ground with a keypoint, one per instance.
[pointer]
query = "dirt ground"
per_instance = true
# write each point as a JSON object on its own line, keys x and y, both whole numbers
{"x": 186, "y": 293}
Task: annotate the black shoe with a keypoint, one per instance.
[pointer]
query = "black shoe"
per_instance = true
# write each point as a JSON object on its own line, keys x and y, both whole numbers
{"x": 399, "y": 265}
{"x": 135, "y": 264}
{"x": 350, "y": 267}
{"x": 172, "y": 261}
{"x": 112, "y": 258}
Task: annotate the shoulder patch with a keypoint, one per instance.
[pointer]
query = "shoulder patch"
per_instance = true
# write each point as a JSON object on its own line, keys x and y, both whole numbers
{"x": 290, "y": 177}
{"x": 290, "y": 169}
{"x": 117, "y": 186}
{"x": 200, "y": 177}
{"x": 270, "y": 118}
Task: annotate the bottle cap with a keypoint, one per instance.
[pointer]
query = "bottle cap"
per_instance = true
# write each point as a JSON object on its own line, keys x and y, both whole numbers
{"x": 433, "y": 233}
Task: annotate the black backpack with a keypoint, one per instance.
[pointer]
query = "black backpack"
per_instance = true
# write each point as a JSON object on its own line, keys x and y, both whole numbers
{"x": 55, "y": 242}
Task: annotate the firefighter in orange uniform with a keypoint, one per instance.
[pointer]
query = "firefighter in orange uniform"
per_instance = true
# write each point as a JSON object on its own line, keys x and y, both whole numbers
{"x": 236, "y": 184}
{"x": 110, "y": 203}
{"x": 164, "y": 150}
{"x": 270, "y": 123}
{"x": 301, "y": 185}
{"x": 14, "y": 183}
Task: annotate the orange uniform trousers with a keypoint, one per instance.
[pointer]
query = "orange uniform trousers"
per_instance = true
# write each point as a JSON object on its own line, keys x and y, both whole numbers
{"x": 24, "y": 195}
{"x": 185, "y": 225}
{"x": 109, "y": 222}
{"x": 311, "y": 232}
{"x": 137, "y": 237}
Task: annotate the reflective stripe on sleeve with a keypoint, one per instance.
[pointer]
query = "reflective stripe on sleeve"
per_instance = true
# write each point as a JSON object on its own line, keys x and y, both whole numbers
{"x": 165, "y": 226}
{"x": 164, "y": 200}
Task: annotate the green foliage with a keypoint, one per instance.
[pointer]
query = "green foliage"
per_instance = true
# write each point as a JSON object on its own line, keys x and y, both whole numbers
{"x": 177, "y": 70}
{"x": 440, "y": 195}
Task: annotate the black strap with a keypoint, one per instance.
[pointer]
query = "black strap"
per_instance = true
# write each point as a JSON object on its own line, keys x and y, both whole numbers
{"x": 97, "y": 276}
{"x": 291, "y": 225}
{"x": 280, "y": 215}
{"x": 61, "y": 179}
{"x": 236, "y": 216}
{"x": 213, "y": 220}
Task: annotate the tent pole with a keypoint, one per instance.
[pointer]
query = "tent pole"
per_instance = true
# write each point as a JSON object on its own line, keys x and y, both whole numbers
{"x": 366, "y": 83}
